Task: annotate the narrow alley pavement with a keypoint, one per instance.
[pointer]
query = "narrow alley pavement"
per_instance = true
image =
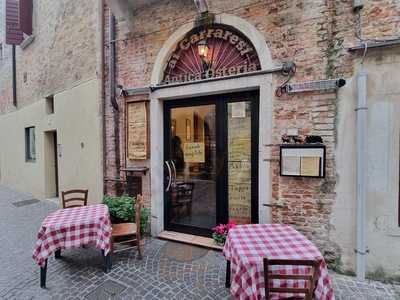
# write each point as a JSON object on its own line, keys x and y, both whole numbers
{"x": 164, "y": 272}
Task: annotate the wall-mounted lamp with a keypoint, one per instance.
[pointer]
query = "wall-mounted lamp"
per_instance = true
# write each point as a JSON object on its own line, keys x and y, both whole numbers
{"x": 202, "y": 49}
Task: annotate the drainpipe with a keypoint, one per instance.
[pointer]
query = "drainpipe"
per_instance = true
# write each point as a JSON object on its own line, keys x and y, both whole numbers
{"x": 100, "y": 77}
{"x": 113, "y": 101}
{"x": 14, "y": 76}
{"x": 361, "y": 112}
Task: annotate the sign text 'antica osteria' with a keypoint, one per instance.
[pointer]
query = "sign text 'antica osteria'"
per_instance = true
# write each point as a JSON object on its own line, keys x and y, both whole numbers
{"x": 228, "y": 53}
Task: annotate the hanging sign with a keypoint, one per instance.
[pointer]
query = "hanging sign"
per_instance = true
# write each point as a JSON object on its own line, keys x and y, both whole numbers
{"x": 215, "y": 51}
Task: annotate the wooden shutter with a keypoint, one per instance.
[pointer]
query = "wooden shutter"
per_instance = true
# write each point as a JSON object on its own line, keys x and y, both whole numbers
{"x": 25, "y": 16}
{"x": 14, "y": 35}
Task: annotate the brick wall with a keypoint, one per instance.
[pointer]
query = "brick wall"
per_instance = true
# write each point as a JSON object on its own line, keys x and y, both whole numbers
{"x": 62, "y": 54}
{"x": 315, "y": 34}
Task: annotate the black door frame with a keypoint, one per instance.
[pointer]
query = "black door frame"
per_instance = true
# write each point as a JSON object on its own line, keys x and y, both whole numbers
{"x": 221, "y": 104}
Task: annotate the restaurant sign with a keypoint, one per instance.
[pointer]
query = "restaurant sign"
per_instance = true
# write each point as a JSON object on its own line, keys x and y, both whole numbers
{"x": 210, "y": 52}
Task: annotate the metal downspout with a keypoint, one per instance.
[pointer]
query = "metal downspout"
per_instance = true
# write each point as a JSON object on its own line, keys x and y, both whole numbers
{"x": 100, "y": 76}
{"x": 114, "y": 103}
{"x": 361, "y": 112}
{"x": 14, "y": 76}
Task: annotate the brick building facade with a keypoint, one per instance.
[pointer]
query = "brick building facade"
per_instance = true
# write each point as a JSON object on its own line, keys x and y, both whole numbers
{"x": 105, "y": 60}
{"x": 316, "y": 35}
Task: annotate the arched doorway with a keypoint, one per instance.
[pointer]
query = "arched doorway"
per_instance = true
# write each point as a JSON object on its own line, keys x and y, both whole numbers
{"x": 207, "y": 114}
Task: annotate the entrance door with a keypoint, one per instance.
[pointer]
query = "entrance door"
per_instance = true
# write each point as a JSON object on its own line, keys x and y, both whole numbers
{"x": 51, "y": 164}
{"x": 211, "y": 162}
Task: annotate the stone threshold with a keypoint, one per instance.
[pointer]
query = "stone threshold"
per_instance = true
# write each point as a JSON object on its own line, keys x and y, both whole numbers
{"x": 189, "y": 239}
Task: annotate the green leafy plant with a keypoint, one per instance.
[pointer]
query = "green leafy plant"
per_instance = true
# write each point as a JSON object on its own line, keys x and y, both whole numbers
{"x": 122, "y": 208}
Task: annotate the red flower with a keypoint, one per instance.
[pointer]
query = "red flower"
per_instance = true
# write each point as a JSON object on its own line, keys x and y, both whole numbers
{"x": 230, "y": 225}
{"x": 220, "y": 229}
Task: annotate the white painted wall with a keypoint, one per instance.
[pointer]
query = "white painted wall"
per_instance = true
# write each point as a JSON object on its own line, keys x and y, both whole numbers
{"x": 383, "y": 165}
{"x": 77, "y": 120}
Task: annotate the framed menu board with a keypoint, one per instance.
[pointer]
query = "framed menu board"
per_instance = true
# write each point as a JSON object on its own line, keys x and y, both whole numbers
{"x": 302, "y": 160}
{"x": 137, "y": 130}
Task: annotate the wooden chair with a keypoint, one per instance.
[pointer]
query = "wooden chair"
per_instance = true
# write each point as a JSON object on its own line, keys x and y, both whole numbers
{"x": 309, "y": 278}
{"x": 129, "y": 231}
{"x": 74, "y": 198}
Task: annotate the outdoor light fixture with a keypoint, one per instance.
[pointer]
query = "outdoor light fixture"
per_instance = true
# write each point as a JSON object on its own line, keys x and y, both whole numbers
{"x": 317, "y": 85}
{"x": 202, "y": 49}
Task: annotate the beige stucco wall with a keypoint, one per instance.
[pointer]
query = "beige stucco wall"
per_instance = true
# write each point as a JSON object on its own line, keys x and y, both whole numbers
{"x": 77, "y": 120}
{"x": 383, "y": 165}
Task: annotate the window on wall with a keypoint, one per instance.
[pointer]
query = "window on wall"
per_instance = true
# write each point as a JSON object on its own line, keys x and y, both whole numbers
{"x": 30, "y": 147}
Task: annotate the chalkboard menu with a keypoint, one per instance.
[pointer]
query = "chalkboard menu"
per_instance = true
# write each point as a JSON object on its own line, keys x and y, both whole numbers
{"x": 137, "y": 131}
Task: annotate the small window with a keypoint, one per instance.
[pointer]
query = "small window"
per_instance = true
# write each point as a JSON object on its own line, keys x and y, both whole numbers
{"x": 30, "y": 147}
{"x": 50, "y": 105}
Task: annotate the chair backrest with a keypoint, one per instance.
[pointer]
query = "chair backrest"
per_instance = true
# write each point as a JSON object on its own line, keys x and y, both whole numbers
{"x": 138, "y": 209}
{"x": 74, "y": 198}
{"x": 309, "y": 278}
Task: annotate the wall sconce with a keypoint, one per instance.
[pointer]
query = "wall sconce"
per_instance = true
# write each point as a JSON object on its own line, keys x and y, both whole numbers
{"x": 202, "y": 49}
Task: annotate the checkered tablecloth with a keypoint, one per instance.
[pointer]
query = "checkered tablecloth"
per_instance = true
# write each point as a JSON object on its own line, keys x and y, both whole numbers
{"x": 72, "y": 227}
{"x": 247, "y": 245}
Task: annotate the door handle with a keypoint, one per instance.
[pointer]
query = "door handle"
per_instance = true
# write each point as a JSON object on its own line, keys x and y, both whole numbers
{"x": 173, "y": 171}
{"x": 170, "y": 176}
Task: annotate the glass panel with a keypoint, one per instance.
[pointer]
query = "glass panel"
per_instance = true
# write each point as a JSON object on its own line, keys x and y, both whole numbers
{"x": 239, "y": 161}
{"x": 193, "y": 151}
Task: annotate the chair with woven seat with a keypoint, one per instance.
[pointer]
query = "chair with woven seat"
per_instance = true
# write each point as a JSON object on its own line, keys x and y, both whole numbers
{"x": 309, "y": 279}
{"x": 128, "y": 234}
{"x": 74, "y": 198}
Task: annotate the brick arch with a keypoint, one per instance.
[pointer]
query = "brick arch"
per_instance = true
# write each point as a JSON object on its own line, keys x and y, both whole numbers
{"x": 241, "y": 25}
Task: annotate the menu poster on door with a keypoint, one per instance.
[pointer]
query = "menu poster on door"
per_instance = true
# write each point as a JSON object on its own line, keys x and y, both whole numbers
{"x": 137, "y": 139}
{"x": 240, "y": 202}
{"x": 238, "y": 109}
{"x": 194, "y": 152}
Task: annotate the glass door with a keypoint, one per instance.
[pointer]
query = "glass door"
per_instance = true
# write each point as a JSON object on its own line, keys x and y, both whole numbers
{"x": 191, "y": 168}
{"x": 211, "y": 162}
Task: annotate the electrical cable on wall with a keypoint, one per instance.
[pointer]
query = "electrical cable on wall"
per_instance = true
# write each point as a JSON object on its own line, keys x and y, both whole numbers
{"x": 289, "y": 70}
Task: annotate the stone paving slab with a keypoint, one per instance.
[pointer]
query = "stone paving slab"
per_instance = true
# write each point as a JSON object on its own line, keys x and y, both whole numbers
{"x": 162, "y": 274}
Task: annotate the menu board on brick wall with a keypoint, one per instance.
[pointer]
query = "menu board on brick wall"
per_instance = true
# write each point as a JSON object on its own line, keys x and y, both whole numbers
{"x": 137, "y": 135}
{"x": 303, "y": 160}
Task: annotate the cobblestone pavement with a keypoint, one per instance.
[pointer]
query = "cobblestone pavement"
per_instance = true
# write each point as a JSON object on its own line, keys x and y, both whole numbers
{"x": 167, "y": 271}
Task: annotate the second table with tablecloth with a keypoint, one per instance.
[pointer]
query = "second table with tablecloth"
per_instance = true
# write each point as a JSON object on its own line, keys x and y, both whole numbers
{"x": 247, "y": 245}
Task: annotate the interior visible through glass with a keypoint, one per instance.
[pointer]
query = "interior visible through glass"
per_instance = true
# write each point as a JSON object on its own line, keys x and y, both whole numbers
{"x": 193, "y": 153}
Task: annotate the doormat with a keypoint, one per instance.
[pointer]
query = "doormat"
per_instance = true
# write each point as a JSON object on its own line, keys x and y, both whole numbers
{"x": 108, "y": 290}
{"x": 182, "y": 252}
{"x": 25, "y": 202}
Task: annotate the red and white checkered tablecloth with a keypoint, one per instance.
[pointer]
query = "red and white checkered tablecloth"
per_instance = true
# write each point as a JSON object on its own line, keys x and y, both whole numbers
{"x": 247, "y": 245}
{"x": 72, "y": 227}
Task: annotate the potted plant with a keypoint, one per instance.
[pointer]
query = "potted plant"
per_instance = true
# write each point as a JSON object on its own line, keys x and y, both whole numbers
{"x": 122, "y": 210}
{"x": 220, "y": 232}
